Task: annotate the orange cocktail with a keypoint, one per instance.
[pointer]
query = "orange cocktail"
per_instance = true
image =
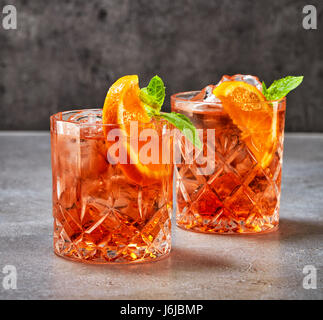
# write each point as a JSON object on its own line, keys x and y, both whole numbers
{"x": 243, "y": 137}
{"x": 107, "y": 210}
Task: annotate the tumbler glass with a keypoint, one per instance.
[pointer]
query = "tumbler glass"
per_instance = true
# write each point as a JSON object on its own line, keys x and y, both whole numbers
{"x": 236, "y": 189}
{"x": 103, "y": 212}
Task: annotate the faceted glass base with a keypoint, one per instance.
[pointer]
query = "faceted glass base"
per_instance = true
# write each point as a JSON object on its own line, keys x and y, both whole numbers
{"x": 239, "y": 229}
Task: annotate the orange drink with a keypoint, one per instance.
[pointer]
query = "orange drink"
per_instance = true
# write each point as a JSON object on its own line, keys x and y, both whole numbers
{"x": 106, "y": 210}
{"x": 242, "y": 137}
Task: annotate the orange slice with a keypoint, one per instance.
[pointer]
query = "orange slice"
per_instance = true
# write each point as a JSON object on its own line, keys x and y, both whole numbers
{"x": 122, "y": 105}
{"x": 253, "y": 115}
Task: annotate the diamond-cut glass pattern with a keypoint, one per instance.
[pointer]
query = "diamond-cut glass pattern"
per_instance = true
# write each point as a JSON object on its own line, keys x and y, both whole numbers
{"x": 100, "y": 216}
{"x": 239, "y": 196}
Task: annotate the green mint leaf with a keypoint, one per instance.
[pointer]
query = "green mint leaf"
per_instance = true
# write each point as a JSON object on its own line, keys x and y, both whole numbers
{"x": 280, "y": 88}
{"x": 152, "y": 112}
{"x": 156, "y": 89}
{"x": 148, "y": 100}
{"x": 264, "y": 90}
{"x": 185, "y": 125}
{"x": 154, "y": 94}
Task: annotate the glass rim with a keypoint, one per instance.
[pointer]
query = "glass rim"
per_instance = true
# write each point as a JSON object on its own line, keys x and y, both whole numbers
{"x": 176, "y": 97}
{"x": 58, "y": 117}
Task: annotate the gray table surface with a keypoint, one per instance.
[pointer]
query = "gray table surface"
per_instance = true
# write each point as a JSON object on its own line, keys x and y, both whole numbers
{"x": 200, "y": 266}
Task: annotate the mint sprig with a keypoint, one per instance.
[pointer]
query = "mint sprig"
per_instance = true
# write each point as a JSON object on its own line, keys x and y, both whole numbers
{"x": 280, "y": 88}
{"x": 185, "y": 125}
{"x": 153, "y": 97}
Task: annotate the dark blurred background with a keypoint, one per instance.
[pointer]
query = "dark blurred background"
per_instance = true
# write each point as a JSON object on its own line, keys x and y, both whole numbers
{"x": 67, "y": 53}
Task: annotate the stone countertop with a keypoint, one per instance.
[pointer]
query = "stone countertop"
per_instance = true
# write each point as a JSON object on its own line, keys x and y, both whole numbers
{"x": 201, "y": 266}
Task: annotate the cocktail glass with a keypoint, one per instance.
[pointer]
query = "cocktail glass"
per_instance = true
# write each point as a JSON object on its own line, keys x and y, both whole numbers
{"x": 102, "y": 214}
{"x": 241, "y": 191}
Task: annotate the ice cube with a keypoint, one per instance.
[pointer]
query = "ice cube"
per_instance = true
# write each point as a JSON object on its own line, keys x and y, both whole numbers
{"x": 207, "y": 99}
{"x": 209, "y": 96}
{"x": 241, "y": 77}
{"x": 91, "y": 116}
{"x": 67, "y": 128}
